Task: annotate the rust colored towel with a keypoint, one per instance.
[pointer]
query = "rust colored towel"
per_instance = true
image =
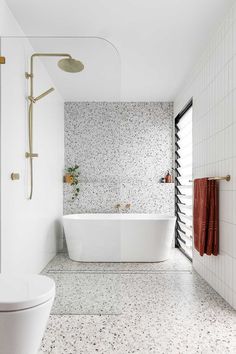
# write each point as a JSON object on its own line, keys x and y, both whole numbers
{"x": 206, "y": 216}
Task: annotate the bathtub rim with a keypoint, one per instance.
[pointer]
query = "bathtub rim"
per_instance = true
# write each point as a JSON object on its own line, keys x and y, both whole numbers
{"x": 118, "y": 216}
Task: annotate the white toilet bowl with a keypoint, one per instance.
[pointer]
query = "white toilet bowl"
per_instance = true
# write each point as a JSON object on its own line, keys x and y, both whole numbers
{"x": 25, "y": 305}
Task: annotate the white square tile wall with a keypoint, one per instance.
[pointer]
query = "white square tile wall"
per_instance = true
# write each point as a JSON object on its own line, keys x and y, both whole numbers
{"x": 212, "y": 85}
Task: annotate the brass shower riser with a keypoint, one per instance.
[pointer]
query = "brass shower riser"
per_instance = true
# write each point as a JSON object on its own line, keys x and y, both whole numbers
{"x": 67, "y": 64}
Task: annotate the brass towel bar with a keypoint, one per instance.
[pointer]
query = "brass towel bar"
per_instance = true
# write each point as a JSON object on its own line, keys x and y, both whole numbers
{"x": 225, "y": 178}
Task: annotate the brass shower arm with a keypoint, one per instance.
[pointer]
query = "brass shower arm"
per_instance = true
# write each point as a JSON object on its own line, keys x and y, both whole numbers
{"x": 30, "y": 75}
{"x": 51, "y": 55}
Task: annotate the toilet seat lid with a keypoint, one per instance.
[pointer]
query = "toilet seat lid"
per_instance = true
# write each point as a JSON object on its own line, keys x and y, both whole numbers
{"x": 19, "y": 292}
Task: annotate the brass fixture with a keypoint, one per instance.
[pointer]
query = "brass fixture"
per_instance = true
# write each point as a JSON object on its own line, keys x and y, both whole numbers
{"x": 67, "y": 64}
{"x": 118, "y": 206}
{"x": 28, "y": 155}
{"x": 35, "y": 99}
{"x": 70, "y": 65}
{"x": 15, "y": 176}
{"x": 2, "y": 60}
{"x": 224, "y": 178}
{"x": 125, "y": 207}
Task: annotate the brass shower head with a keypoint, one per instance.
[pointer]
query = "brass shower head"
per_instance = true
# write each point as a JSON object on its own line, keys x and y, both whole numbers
{"x": 70, "y": 65}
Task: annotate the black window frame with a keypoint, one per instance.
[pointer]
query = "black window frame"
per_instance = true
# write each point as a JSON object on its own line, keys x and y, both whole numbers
{"x": 177, "y": 119}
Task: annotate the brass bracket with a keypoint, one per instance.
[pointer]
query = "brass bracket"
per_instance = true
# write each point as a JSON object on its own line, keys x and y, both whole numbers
{"x": 32, "y": 99}
{"x": 29, "y": 155}
{"x": 27, "y": 75}
{"x": 2, "y": 60}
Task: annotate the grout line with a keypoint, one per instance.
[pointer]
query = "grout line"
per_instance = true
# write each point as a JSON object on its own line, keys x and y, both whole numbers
{"x": 86, "y": 314}
{"x": 184, "y": 271}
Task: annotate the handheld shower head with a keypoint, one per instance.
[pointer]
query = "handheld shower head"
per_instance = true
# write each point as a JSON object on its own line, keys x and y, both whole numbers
{"x": 35, "y": 99}
{"x": 70, "y": 65}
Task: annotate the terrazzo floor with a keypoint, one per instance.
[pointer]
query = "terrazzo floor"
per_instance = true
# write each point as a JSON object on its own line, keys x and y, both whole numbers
{"x": 125, "y": 308}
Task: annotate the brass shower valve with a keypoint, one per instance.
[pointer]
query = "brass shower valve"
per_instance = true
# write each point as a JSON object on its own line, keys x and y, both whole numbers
{"x": 15, "y": 176}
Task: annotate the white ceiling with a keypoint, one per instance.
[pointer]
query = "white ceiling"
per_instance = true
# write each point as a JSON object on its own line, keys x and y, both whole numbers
{"x": 158, "y": 40}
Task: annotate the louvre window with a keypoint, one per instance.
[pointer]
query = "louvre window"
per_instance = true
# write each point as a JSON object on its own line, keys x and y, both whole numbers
{"x": 183, "y": 184}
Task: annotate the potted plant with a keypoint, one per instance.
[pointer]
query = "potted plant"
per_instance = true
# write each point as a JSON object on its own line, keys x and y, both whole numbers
{"x": 72, "y": 177}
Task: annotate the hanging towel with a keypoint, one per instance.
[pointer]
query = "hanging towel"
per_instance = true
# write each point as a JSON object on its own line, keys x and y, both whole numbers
{"x": 206, "y": 216}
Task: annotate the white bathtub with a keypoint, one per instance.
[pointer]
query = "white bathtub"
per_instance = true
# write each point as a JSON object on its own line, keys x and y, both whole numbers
{"x": 119, "y": 237}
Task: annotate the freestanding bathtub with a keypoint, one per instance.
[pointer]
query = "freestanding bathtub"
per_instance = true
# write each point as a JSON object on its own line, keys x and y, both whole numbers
{"x": 119, "y": 237}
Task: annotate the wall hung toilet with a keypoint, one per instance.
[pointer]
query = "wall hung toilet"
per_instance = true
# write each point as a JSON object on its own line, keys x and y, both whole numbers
{"x": 25, "y": 305}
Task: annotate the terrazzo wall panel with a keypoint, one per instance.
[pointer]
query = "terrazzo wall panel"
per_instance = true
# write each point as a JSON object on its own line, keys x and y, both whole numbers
{"x": 123, "y": 149}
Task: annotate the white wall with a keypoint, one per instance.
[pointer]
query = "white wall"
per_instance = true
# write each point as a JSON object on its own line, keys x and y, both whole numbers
{"x": 212, "y": 85}
{"x": 30, "y": 230}
{"x": 8, "y": 24}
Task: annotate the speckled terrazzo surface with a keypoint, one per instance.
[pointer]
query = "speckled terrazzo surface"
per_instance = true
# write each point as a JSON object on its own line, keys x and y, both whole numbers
{"x": 136, "y": 308}
{"x": 123, "y": 149}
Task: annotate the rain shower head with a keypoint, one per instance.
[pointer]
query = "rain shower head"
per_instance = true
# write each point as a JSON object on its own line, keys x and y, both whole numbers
{"x": 70, "y": 65}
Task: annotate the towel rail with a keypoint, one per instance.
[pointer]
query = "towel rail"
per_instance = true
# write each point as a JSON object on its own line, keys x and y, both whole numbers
{"x": 224, "y": 178}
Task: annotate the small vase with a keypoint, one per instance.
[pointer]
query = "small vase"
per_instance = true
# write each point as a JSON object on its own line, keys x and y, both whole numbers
{"x": 68, "y": 179}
